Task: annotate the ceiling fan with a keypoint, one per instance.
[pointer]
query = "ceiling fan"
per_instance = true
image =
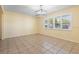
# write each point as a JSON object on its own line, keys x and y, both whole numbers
{"x": 41, "y": 11}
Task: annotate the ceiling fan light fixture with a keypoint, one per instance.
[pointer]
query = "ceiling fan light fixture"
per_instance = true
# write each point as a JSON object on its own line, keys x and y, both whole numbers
{"x": 41, "y": 11}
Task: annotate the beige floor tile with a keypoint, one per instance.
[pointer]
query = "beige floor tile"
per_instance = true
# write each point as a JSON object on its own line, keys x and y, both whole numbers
{"x": 66, "y": 48}
{"x": 3, "y": 51}
{"x": 37, "y": 44}
{"x": 75, "y": 49}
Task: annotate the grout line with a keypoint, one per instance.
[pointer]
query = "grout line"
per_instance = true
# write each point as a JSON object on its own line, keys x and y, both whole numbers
{"x": 22, "y": 42}
{"x": 61, "y": 47}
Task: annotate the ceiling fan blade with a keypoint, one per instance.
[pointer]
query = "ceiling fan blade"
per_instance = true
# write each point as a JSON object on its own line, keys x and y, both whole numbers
{"x": 37, "y": 10}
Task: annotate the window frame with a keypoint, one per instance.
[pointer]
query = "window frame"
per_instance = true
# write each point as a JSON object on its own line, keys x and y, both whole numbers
{"x": 61, "y": 23}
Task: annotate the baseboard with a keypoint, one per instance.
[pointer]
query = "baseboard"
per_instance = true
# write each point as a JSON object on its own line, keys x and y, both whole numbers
{"x": 19, "y": 36}
{"x": 42, "y": 35}
{"x": 56, "y": 38}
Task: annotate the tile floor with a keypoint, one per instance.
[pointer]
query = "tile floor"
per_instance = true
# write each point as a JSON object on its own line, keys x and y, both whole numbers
{"x": 37, "y": 44}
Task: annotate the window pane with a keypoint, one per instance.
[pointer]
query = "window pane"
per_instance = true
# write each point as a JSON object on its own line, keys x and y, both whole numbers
{"x": 66, "y": 22}
{"x": 50, "y": 25}
{"x": 57, "y": 22}
{"x": 50, "y": 22}
{"x": 65, "y": 26}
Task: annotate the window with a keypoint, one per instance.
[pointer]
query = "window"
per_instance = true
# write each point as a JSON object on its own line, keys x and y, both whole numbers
{"x": 59, "y": 22}
{"x": 46, "y": 24}
{"x": 50, "y": 20}
{"x": 66, "y": 22}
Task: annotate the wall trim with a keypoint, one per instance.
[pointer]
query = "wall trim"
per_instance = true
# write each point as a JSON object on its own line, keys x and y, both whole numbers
{"x": 57, "y": 38}
{"x": 20, "y": 36}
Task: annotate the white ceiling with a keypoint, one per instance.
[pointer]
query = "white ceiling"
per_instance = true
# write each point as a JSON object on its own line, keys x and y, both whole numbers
{"x": 30, "y": 9}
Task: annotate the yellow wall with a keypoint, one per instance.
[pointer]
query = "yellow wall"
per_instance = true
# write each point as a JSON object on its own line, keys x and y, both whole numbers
{"x": 71, "y": 35}
{"x": 0, "y": 23}
{"x": 17, "y": 24}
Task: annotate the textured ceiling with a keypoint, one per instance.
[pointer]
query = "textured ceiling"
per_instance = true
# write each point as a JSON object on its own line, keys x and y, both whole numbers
{"x": 30, "y": 9}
